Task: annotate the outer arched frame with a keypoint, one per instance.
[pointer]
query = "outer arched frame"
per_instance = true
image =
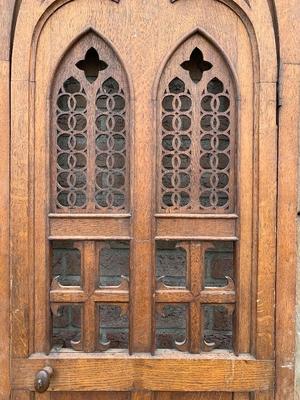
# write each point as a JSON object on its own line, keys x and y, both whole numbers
{"x": 289, "y": 59}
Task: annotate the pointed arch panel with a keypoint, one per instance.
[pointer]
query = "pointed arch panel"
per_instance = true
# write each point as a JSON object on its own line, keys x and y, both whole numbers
{"x": 90, "y": 130}
{"x": 197, "y": 129}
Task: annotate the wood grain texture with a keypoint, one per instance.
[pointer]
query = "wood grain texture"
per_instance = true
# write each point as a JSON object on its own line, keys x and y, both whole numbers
{"x": 129, "y": 28}
{"x": 192, "y": 396}
{"x": 288, "y": 24}
{"x": 287, "y": 209}
{"x": 149, "y": 373}
{"x": 89, "y": 227}
{"x": 172, "y": 227}
{"x": 89, "y": 396}
{"x": 4, "y": 231}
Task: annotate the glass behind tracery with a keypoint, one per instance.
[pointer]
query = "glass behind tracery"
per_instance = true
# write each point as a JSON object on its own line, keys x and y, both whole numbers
{"x": 197, "y": 129}
{"x": 90, "y": 137}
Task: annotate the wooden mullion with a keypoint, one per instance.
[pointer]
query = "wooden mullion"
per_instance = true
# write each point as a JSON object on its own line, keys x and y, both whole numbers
{"x": 91, "y": 158}
{"x": 90, "y": 274}
{"x": 195, "y": 147}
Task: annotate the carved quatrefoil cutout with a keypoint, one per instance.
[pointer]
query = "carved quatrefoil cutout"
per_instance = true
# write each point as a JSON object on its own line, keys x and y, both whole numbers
{"x": 196, "y": 65}
{"x": 91, "y": 65}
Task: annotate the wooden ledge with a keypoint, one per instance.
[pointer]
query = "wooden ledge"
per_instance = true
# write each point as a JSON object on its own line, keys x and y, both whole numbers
{"x": 166, "y": 371}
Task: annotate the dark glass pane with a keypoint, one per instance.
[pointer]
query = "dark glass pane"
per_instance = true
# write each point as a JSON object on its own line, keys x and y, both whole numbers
{"x": 114, "y": 325}
{"x": 66, "y": 326}
{"x": 170, "y": 263}
{"x": 114, "y": 263}
{"x": 170, "y": 325}
{"x": 66, "y": 263}
{"x": 218, "y": 325}
{"x": 218, "y": 264}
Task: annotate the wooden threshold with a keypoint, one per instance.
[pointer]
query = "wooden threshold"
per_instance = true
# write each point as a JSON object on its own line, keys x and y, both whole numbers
{"x": 164, "y": 372}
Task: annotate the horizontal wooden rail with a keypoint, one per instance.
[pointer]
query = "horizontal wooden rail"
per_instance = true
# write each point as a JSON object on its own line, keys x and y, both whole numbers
{"x": 163, "y": 372}
{"x": 191, "y": 226}
{"x": 86, "y": 227}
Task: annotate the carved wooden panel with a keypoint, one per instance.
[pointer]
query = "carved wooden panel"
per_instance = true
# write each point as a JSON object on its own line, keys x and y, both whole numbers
{"x": 194, "y": 313}
{"x": 197, "y": 131}
{"x": 90, "y": 131}
{"x": 89, "y": 314}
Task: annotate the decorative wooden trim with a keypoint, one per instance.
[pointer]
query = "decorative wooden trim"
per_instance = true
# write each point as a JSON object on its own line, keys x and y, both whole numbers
{"x": 145, "y": 372}
{"x": 246, "y": 1}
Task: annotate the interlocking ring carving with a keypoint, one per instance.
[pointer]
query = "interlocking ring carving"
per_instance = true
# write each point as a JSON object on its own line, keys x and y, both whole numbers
{"x": 176, "y": 146}
{"x": 197, "y": 148}
{"x": 111, "y": 147}
{"x": 215, "y": 147}
{"x": 71, "y": 145}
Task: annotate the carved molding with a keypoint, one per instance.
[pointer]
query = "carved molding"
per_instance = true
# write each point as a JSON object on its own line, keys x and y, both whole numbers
{"x": 246, "y": 1}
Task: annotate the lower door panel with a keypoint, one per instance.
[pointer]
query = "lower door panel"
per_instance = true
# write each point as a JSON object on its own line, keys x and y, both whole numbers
{"x": 127, "y": 396}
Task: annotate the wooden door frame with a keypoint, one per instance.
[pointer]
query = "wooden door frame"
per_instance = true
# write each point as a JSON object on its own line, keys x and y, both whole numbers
{"x": 287, "y": 189}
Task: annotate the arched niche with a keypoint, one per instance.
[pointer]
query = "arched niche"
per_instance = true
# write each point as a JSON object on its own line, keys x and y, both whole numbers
{"x": 197, "y": 101}
{"x": 90, "y": 129}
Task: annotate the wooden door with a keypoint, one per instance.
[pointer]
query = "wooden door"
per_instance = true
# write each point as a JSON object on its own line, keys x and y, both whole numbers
{"x": 143, "y": 201}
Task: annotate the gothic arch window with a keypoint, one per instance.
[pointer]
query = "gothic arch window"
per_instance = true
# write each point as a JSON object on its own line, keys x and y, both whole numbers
{"x": 90, "y": 131}
{"x": 197, "y": 131}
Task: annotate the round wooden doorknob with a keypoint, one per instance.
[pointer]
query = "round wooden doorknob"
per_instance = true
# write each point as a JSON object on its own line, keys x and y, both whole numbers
{"x": 42, "y": 379}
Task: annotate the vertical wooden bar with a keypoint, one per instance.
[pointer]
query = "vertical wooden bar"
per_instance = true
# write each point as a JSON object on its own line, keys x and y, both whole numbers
{"x": 287, "y": 232}
{"x": 266, "y": 265}
{"x": 142, "y": 395}
{"x": 4, "y": 222}
{"x": 196, "y": 278}
{"x": 241, "y": 396}
{"x": 19, "y": 222}
{"x": 142, "y": 161}
{"x": 246, "y": 174}
{"x": 22, "y": 395}
{"x": 90, "y": 273}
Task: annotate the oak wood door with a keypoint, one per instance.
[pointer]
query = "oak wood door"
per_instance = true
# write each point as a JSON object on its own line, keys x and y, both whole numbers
{"x": 143, "y": 201}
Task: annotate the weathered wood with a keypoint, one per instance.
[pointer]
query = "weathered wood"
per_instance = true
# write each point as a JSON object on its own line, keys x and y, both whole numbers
{"x": 89, "y": 227}
{"x": 287, "y": 232}
{"x": 43, "y": 41}
{"x": 4, "y": 232}
{"x": 148, "y": 373}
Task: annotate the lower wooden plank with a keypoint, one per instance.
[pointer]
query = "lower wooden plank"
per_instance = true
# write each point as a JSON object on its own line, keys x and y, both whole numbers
{"x": 141, "y": 395}
{"x": 90, "y": 396}
{"x": 241, "y": 396}
{"x": 21, "y": 395}
{"x": 267, "y": 395}
{"x": 113, "y": 372}
{"x": 193, "y": 396}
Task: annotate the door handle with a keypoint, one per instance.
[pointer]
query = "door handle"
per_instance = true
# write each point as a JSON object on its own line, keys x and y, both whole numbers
{"x": 42, "y": 379}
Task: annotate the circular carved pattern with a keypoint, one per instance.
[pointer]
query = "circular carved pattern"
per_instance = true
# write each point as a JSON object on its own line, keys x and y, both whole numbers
{"x": 111, "y": 147}
{"x": 71, "y": 146}
{"x": 176, "y": 146}
{"x": 214, "y": 147}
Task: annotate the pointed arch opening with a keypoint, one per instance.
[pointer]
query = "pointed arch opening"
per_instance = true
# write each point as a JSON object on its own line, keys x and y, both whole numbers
{"x": 90, "y": 130}
{"x": 197, "y": 130}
